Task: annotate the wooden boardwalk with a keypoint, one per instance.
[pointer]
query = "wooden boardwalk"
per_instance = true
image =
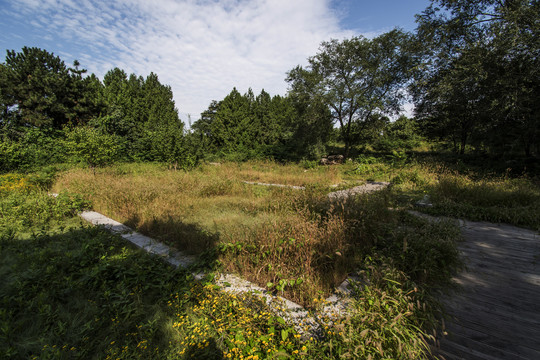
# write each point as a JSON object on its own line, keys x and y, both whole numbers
{"x": 496, "y": 313}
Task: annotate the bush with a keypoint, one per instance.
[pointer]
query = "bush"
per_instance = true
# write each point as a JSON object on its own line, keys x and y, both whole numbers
{"x": 23, "y": 205}
{"x": 90, "y": 146}
{"x": 29, "y": 148}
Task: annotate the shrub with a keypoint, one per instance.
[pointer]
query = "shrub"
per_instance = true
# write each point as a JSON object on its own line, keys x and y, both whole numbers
{"x": 90, "y": 146}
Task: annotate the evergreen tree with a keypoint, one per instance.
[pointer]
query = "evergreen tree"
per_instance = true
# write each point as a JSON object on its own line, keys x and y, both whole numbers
{"x": 40, "y": 90}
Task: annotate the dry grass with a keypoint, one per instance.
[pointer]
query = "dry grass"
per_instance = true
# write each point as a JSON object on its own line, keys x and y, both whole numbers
{"x": 296, "y": 256}
{"x": 290, "y": 241}
{"x": 177, "y": 207}
{"x": 290, "y": 174}
{"x": 211, "y": 208}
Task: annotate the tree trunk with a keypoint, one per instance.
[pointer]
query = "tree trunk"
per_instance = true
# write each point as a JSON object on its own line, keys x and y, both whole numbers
{"x": 463, "y": 142}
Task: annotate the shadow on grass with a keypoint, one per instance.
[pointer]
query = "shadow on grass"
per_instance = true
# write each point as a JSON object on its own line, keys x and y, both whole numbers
{"x": 83, "y": 292}
{"x": 189, "y": 238}
{"x": 210, "y": 352}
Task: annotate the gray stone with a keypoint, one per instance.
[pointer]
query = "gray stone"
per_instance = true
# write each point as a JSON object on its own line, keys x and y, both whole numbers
{"x": 424, "y": 202}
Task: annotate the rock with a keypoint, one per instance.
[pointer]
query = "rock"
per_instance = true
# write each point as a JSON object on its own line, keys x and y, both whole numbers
{"x": 332, "y": 160}
{"x": 425, "y": 202}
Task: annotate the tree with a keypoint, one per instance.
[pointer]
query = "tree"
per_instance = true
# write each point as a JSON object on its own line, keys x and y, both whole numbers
{"x": 142, "y": 112}
{"x": 94, "y": 148}
{"x": 357, "y": 78}
{"x": 455, "y": 105}
{"x": 247, "y": 126}
{"x": 163, "y": 129}
{"x": 41, "y": 90}
{"x": 402, "y": 134}
{"x": 308, "y": 125}
{"x": 481, "y": 73}
{"x": 5, "y": 101}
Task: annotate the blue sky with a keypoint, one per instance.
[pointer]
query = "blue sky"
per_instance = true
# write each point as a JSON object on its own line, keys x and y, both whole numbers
{"x": 201, "y": 48}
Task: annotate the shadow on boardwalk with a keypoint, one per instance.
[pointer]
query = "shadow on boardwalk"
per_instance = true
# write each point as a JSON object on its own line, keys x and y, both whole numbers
{"x": 496, "y": 315}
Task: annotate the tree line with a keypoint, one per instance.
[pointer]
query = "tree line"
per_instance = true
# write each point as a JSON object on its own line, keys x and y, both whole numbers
{"x": 471, "y": 68}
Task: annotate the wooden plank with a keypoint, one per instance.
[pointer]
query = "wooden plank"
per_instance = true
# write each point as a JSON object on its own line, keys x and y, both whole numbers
{"x": 478, "y": 278}
{"x": 488, "y": 270}
{"x": 489, "y": 244}
{"x": 515, "y": 309}
{"x": 496, "y": 264}
{"x": 512, "y": 280}
{"x": 489, "y": 344}
{"x": 497, "y": 309}
{"x": 529, "y": 320}
{"x": 501, "y": 234}
{"x": 504, "y": 231}
{"x": 498, "y": 326}
{"x": 500, "y": 254}
{"x": 527, "y": 303}
{"x": 466, "y": 347}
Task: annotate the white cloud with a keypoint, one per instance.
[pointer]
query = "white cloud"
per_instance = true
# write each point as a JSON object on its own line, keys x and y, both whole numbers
{"x": 201, "y": 48}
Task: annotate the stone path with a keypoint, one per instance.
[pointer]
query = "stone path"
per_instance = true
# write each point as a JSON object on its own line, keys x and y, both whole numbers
{"x": 496, "y": 313}
{"x": 276, "y": 185}
{"x": 336, "y": 195}
{"x": 370, "y": 186}
{"x": 336, "y": 304}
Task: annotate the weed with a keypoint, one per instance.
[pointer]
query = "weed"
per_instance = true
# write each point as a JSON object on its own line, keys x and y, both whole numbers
{"x": 81, "y": 293}
{"x": 513, "y": 201}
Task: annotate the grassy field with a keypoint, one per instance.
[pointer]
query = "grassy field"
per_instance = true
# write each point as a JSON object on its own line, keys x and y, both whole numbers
{"x": 289, "y": 240}
{"x": 73, "y": 291}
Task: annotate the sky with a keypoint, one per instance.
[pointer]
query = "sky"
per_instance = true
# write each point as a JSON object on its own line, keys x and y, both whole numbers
{"x": 201, "y": 48}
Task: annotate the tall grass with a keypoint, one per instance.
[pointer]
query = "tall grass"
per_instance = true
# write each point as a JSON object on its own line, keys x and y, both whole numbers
{"x": 77, "y": 292}
{"x": 500, "y": 200}
{"x": 295, "y": 243}
{"x": 96, "y": 297}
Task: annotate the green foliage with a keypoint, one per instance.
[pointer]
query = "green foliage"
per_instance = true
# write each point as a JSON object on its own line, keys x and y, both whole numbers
{"x": 412, "y": 177}
{"x": 90, "y": 146}
{"x": 402, "y": 134}
{"x": 23, "y": 205}
{"x": 356, "y": 79}
{"x": 40, "y": 95}
{"x": 386, "y": 320}
{"x": 309, "y": 164}
{"x": 242, "y": 127}
{"x": 142, "y": 113}
{"x": 79, "y": 292}
{"x": 39, "y": 90}
{"x": 479, "y": 75}
{"x": 30, "y": 148}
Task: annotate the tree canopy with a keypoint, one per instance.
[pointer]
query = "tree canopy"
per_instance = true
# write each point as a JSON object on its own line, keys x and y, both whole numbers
{"x": 480, "y": 79}
{"x": 472, "y": 69}
{"x": 38, "y": 89}
{"x": 357, "y": 78}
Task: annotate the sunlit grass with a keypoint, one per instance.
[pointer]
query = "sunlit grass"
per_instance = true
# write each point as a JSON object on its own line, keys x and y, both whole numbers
{"x": 83, "y": 293}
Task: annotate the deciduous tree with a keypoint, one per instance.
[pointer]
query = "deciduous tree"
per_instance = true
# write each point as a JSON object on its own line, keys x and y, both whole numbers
{"x": 357, "y": 78}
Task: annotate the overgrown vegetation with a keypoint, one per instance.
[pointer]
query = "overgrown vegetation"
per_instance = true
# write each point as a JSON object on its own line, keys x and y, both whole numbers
{"x": 72, "y": 291}
{"x": 512, "y": 201}
{"x": 294, "y": 242}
